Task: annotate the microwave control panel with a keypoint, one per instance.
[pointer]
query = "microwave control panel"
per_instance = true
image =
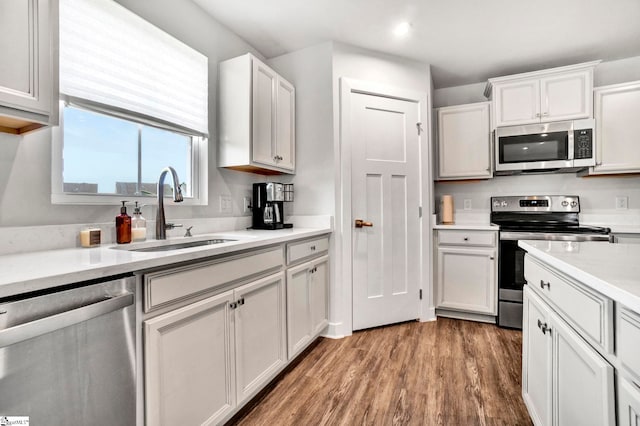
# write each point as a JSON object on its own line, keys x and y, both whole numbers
{"x": 582, "y": 143}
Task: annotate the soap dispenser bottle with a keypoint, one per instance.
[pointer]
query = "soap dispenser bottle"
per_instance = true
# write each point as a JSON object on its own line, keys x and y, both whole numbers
{"x": 123, "y": 226}
{"x": 138, "y": 225}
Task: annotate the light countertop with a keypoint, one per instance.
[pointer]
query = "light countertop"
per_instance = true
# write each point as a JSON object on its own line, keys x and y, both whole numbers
{"x": 469, "y": 227}
{"x": 611, "y": 269}
{"x": 40, "y": 270}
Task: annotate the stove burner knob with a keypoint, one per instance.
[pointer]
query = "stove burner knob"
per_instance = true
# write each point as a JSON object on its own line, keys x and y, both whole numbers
{"x": 505, "y": 204}
{"x": 565, "y": 203}
{"x": 496, "y": 203}
{"x": 574, "y": 203}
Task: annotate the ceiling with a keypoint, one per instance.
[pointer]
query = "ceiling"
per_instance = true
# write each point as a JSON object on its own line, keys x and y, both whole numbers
{"x": 465, "y": 41}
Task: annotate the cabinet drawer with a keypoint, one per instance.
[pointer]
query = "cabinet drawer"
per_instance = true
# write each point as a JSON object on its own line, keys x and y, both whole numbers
{"x": 467, "y": 238}
{"x": 165, "y": 287}
{"x": 304, "y": 249}
{"x": 586, "y": 310}
{"x": 628, "y": 329}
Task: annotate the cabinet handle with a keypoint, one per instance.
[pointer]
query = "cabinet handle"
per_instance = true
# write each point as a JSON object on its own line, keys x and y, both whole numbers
{"x": 241, "y": 301}
{"x": 545, "y": 114}
{"x": 312, "y": 248}
{"x": 233, "y": 305}
{"x": 538, "y": 114}
{"x": 466, "y": 238}
{"x": 543, "y": 285}
{"x": 491, "y": 258}
{"x": 544, "y": 327}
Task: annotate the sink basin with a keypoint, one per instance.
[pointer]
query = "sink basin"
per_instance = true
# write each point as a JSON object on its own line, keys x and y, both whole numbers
{"x": 186, "y": 244}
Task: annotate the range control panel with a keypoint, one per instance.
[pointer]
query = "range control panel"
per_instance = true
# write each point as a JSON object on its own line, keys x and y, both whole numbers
{"x": 536, "y": 203}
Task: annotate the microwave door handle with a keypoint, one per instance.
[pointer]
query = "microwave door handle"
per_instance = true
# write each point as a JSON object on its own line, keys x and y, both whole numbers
{"x": 570, "y": 145}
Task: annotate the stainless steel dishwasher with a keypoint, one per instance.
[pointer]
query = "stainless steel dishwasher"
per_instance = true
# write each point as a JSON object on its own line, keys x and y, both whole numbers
{"x": 67, "y": 357}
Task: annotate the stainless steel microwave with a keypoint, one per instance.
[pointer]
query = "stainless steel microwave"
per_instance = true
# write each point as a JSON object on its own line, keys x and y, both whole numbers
{"x": 564, "y": 146}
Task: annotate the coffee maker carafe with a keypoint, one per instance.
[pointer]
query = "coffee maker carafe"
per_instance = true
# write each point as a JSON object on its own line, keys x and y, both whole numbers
{"x": 267, "y": 205}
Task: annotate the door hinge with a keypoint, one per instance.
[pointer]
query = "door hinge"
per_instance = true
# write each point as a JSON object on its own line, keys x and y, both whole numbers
{"x": 420, "y": 129}
{"x": 419, "y": 211}
{"x": 420, "y": 294}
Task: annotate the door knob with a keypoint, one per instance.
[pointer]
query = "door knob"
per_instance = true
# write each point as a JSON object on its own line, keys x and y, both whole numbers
{"x": 360, "y": 223}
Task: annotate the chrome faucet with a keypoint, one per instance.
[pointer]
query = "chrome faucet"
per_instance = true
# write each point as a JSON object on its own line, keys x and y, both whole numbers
{"x": 161, "y": 224}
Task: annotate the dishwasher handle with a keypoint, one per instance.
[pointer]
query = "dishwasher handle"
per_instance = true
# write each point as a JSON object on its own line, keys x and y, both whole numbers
{"x": 29, "y": 330}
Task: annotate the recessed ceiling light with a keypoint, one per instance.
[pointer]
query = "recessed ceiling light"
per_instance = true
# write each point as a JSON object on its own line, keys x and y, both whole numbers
{"x": 402, "y": 29}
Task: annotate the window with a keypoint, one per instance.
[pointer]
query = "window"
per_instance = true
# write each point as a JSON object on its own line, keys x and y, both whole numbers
{"x": 128, "y": 109}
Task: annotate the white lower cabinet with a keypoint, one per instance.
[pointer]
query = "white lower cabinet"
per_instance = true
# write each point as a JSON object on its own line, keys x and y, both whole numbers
{"x": 204, "y": 359}
{"x": 628, "y": 403}
{"x": 466, "y": 271}
{"x": 307, "y": 286}
{"x": 190, "y": 364}
{"x": 564, "y": 380}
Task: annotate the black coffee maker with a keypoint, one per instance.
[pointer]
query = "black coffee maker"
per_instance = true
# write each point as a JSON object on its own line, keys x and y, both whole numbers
{"x": 268, "y": 206}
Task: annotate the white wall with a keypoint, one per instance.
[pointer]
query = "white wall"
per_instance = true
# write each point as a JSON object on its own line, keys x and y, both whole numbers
{"x": 597, "y": 194}
{"x": 25, "y": 162}
{"x": 309, "y": 70}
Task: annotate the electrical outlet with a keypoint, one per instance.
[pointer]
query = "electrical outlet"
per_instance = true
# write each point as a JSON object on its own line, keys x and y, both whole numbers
{"x": 246, "y": 204}
{"x": 467, "y": 204}
{"x": 226, "y": 205}
{"x": 622, "y": 203}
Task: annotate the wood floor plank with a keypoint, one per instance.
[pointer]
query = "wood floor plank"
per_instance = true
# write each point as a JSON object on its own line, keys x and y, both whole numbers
{"x": 446, "y": 372}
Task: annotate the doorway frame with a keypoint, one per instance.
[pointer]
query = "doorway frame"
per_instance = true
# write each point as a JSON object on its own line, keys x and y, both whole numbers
{"x": 344, "y": 218}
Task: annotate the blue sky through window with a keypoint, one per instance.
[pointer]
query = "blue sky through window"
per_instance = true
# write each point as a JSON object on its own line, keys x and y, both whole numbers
{"x": 103, "y": 150}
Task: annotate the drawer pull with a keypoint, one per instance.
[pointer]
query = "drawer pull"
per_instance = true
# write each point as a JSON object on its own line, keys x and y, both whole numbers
{"x": 313, "y": 248}
{"x": 233, "y": 305}
{"x": 544, "y": 327}
{"x": 543, "y": 285}
{"x": 466, "y": 238}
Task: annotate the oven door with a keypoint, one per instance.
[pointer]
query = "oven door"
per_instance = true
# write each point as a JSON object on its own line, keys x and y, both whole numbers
{"x": 510, "y": 284}
{"x": 534, "y": 147}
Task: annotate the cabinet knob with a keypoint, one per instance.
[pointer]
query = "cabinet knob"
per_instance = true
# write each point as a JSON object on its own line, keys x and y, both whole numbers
{"x": 538, "y": 114}
{"x": 491, "y": 257}
{"x": 313, "y": 248}
{"x": 466, "y": 238}
{"x": 544, "y": 327}
{"x": 543, "y": 285}
{"x": 545, "y": 114}
{"x": 233, "y": 305}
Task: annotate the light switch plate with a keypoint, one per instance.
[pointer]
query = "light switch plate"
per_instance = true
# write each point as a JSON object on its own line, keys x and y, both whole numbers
{"x": 467, "y": 204}
{"x": 246, "y": 203}
{"x": 622, "y": 202}
{"x": 226, "y": 205}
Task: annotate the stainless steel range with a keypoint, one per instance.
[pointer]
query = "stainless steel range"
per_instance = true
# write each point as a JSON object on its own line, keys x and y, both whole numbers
{"x": 533, "y": 217}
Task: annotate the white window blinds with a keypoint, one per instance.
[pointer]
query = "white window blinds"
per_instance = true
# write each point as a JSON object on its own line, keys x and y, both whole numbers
{"x": 111, "y": 56}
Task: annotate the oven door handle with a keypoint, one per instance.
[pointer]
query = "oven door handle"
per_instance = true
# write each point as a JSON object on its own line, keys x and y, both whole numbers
{"x": 29, "y": 330}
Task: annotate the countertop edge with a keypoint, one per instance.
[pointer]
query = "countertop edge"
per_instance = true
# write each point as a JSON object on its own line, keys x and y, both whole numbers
{"x": 600, "y": 285}
{"x": 74, "y": 273}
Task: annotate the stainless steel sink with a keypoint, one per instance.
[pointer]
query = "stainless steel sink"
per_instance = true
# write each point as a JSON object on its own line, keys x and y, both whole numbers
{"x": 186, "y": 244}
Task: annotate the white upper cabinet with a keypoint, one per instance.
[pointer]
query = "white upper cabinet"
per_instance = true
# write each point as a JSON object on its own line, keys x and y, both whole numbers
{"x": 617, "y": 109}
{"x": 550, "y": 95}
{"x": 29, "y": 70}
{"x": 257, "y": 118}
{"x": 464, "y": 142}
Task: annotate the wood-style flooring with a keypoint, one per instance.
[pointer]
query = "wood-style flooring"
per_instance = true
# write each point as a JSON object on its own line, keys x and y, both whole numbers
{"x": 446, "y": 372}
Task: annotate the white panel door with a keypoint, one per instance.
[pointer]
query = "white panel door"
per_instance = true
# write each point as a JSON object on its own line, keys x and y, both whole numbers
{"x": 536, "y": 359}
{"x": 583, "y": 384}
{"x": 190, "y": 364}
{"x": 25, "y": 68}
{"x": 628, "y": 403}
{"x": 517, "y": 103}
{"x": 318, "y": 295}
{"x": 261, "y": 349}
{"x": 298, "y": 312}
{"x": 263, "y": 110}
{"x": 617, "y": 109}
{"x": 566, "y": 96}
{"x": 385, "y": 192}
{"x": 467, "y": 279}
{"x": 285, "y": 127}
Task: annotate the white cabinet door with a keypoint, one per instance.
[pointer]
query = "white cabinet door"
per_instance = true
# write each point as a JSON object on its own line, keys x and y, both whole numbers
{"x": 628, "y": 403}
{"x": 566, "y": 96}
{"x": 464, "y": 142}
{"x": 318, "y": 295}
{"x": 536, "y": 359}
{"x": 264, "y": 113}
{"x": 190, "y": 364}
{"x": 28, "y": 33}
{"x": 285, "y": 128}
{"x": 617, "y": 109}
{"x": 583, "y": 384}
{"x": 467, "y": 279}
{"x": 298, "y": 312}
{"x": 517, "y": 102}
{"x": 260, "y": 331}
